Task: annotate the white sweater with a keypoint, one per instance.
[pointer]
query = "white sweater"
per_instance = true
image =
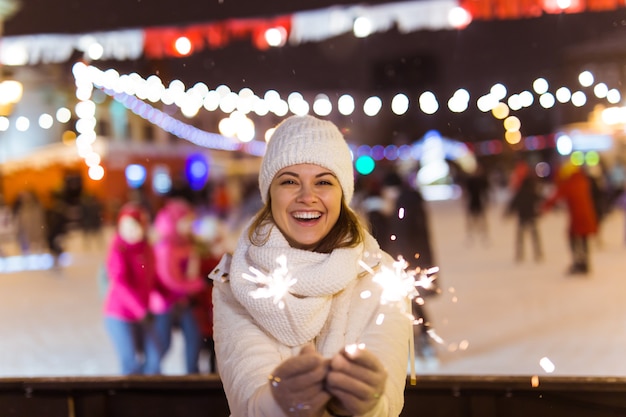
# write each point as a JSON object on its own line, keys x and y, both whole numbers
{"x": 246, "y": 354}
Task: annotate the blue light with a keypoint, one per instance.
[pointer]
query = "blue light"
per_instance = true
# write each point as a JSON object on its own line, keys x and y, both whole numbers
{"x": 391, "y": 152}
{"x": 432, "y": 134}
{"x": 363, "y": 150}
{"x": 378, "y": 152}
{"x": 135, "y": 175}
{"x": 197, "y": 171}
{"x": 161, "y": 180}
{"x": 404, "y": 152}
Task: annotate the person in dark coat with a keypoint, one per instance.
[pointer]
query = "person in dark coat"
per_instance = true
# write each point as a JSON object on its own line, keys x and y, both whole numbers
{"x": 525, "y": 205}
{"x": 476, "y": 193}
{"x": 408, "y": 225}
{"x": 408, "y": 232}
{"x": 599, "y": 196}
{"x": 56, "y": 226}
{"x": 92, "y": 212}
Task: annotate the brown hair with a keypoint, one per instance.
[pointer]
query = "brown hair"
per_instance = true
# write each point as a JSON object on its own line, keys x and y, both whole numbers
{"x": 346, "y": 233}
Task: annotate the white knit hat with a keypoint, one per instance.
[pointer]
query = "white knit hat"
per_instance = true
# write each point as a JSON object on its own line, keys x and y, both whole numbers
{"x": 307, "y": 140}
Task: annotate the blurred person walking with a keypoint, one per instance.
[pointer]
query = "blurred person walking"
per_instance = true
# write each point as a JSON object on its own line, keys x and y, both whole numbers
{"x": 131, "y": 277}
{"x": 211, "y": 242}
{"x": 408, "y": 236}
{"x": 56, "y": 226}
{"x": 573, "y": 187}
{"x": 600, "y": 195}
{"x": 476, "y": 193}
{"x": 525, "y": 206}
{"x": 30, "y": 220}
{"x": 91, "y": 221}
{"x": 178, "y": 277}
{"x": 7, "y": 226}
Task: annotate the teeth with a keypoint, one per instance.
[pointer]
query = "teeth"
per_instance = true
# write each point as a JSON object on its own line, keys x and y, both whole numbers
{"x": 306, "y": 215}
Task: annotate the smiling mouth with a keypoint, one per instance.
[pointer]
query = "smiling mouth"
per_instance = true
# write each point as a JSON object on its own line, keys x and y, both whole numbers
{"x": 306, "y": 216}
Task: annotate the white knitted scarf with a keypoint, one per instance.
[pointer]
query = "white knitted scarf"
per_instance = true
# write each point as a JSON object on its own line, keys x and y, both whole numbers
{"x": 308, "y": 305}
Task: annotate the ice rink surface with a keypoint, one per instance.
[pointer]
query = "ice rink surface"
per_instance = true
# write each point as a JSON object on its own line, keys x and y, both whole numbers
{"x": 494, "y": 316}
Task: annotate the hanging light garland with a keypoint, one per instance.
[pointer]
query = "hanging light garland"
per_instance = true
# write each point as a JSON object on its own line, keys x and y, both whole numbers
{"x": 132, "y": 90}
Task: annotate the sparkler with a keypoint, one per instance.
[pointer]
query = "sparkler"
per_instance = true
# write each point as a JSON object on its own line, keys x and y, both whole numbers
{"x": 275, "y": 285}
{"x": 400, "y": 287}
{"x": 399, "y": 284}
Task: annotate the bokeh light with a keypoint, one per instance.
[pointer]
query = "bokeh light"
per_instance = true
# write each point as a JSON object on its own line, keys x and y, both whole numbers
{"x": 365, "y": 164}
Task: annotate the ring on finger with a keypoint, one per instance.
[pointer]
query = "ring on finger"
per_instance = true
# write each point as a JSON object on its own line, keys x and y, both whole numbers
{"x": 274, "y": 380}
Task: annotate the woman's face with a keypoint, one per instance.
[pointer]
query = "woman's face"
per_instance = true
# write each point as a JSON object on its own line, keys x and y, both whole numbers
{"x": 305, "y": 202}
{"x": 130, "y": 230}
{"x": 184, "y": 226}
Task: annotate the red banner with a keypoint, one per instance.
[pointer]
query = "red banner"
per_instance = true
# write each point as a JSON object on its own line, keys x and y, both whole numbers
{"x": 160, "y": 42}
{"x": 520, "y": 9}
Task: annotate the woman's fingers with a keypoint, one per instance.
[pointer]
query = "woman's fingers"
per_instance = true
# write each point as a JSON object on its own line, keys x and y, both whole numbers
{"x": 297, "y": 384}
{"x": 356, "y": 379}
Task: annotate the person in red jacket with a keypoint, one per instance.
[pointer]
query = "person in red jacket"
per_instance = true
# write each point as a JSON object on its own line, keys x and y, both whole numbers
{"x": 574, "y": 188}
{"x": 203, "y": 311}
{"x": 210, "y": 243}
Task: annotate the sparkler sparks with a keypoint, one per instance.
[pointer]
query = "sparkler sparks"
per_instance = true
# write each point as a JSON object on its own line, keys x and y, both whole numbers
{"x": 400, "y": 287}
{"x": 398, "y": 283}
{"x": 352, "y": 349}
{"x": 275, "y": 285}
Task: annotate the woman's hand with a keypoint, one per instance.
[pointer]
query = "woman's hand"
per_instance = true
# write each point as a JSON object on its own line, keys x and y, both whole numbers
{"x": 297, "y": 384}
{"x": 356, "y": 380}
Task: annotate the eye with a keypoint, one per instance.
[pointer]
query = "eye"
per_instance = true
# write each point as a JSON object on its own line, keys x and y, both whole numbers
{"x": 326, "y": 181}
{"x": 287, "y": 181}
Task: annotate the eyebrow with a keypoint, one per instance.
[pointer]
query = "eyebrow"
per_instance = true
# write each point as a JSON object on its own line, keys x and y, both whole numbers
{"x": 321, "y": 174}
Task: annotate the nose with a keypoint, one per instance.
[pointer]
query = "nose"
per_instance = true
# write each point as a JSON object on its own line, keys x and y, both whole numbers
{"x": 306, "y": 194}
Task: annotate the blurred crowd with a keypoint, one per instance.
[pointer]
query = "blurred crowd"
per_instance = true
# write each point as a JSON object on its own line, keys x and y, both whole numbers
{"x": 32, "y": 227}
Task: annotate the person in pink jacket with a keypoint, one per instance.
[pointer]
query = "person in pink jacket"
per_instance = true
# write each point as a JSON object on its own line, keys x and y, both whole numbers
{"x": 178, "y": 278}
{"x": 131, "y": 277}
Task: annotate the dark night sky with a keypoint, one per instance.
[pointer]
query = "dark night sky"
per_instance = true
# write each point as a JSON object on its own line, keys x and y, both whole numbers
{"x": 75, "y": 16}
{"x": 513, "y": 52}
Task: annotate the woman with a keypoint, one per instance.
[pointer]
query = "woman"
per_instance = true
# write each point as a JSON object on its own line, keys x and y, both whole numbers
{"x": 131, "y": 278}
{"x": 320, "y": 354}
{"x": 178, "y": 279}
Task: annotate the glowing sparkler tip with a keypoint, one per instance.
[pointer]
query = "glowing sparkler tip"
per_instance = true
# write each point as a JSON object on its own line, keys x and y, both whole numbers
{"x": 275, "y": 285}
{"x": 353, "y": 348}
